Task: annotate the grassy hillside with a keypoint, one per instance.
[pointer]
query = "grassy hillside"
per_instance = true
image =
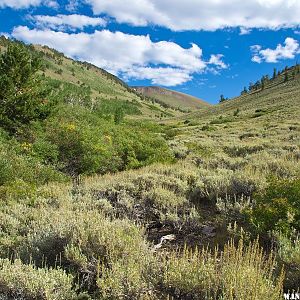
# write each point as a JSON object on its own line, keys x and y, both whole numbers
{"x": 176, "y": 100}
{"x": 280, "y": 93}
{"x": 148, "y": 203}
{"x": 101, "y": 85}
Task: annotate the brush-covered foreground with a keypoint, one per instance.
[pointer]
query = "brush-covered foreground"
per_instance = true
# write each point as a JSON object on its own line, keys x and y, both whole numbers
{"x": 206, "y": 207}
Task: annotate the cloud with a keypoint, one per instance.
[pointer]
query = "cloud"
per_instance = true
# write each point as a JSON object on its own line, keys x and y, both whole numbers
{"x": 160, "y": 76}
{"x": 256, "y": 59}
{"x": 244, "y": 31}
{"x": 63, "y": 22}
{"x": 217, "y": 61}
{"x": 288, "y": 51}
{"x": 131, "y": 56}
{"x": 21, "y": 4}
{"x": 181, "y": 15}
{"x": 72, "y": 5}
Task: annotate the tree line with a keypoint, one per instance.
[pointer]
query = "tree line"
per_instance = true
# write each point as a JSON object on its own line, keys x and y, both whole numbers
{"x": 286, "y": 74}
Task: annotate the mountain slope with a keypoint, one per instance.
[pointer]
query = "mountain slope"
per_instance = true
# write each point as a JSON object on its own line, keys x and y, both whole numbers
{"x": 101, "y": 85}
{"x": 174, "y": 99}
{"x": 281, "y": 94}
{"x": 104, "y": 85}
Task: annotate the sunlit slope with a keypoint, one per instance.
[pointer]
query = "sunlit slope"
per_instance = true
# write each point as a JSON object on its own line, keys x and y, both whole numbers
{"x": 173, "y": 99}
{"x": 278, "y": 95}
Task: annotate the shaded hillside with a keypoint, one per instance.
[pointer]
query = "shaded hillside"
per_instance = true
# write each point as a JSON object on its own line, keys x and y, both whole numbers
{"x": 173, "y": 99}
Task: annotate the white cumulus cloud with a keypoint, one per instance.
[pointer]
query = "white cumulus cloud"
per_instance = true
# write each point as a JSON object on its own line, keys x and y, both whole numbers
{"x": 167, "y": 76}
{"x": 244, "y": 31}
{"x": 216, "y": 59}
{"x": 132, "y": 56}
{"x": 181, "y": 15}
{"x": 21, "y": 4}
{"x": 63, "y": 22}
{"x": 286, "y": 51}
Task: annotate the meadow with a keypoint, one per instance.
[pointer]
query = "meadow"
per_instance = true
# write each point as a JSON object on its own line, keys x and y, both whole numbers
{"x": 98, "y": 202}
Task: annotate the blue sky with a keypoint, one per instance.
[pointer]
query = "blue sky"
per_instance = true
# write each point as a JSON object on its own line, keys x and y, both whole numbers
{"x": 204, "y": 48}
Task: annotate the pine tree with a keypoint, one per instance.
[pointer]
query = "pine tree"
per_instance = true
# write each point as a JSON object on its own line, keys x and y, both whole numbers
{"x": 257, "y": 85}
{"x": 250, "y": 87}
{"x": 262, "y": 82}
{"x": 222, "y": 99}
{"x": 21, "y": 97}
{"x": 245, "y": 91}
{"x": 286, "y": 77}
{"x": 274, "y": 74}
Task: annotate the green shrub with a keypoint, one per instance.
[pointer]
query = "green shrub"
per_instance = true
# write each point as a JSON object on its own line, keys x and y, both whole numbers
{"x": 279, "y": 207}
{"x": 87, "y": 144}
{"x": 221, "y": 120}
{"x": 19, "y": 163}
{"x": 17, "y": 190}
{"x": 45, "y": 151}
{"x": 106, "y": 108}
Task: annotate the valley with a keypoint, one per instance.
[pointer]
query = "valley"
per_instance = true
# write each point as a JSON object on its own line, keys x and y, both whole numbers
{"x": 116, "y": 192}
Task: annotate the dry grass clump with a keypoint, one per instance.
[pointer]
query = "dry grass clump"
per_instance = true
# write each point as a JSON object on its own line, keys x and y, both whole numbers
{"x": 243, "y": 150}
{"x": 289, "y": 248}
{"x": 221, "y": 183}
{"x": 156, "y": 194}
{"x": 20, "y": 281}
{"x": 288, "y": 251}
{"x": 237, "y": 272}
{"x": 82, "y": 241}
{"x": 280, "y": 163}
{"x": 130, "y": 279}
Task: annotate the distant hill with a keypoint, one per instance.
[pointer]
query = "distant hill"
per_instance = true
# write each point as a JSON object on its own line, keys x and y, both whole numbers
{"x": 173, "y": 99}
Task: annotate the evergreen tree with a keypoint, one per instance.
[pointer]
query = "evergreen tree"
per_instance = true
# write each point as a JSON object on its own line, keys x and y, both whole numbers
{"x": 250, "y": 87}
{"x": 21, "y": 96}
{"x": 262, "y": 82}
{"x": 222, "y": 99}
{"x": 245, "y": 91}
{"x": 286, "y": 77}
{"x": 257, "y": 85}
{"x": 274, "y": 74}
